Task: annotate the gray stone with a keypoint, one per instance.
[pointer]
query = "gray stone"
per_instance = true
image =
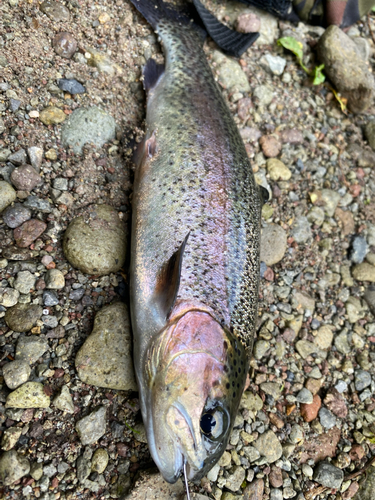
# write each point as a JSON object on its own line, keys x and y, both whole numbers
{"x": 16, "y": 373}
{"x": 358, "y": 250}
{"x": 83, "y": 468}
{"x": 96, "y": 244}
{"x": 263, "y": 95}
{"x": 29, "y": 395}
{"x": 60, "y": 183}
{"x": 49, "y": 470}
{"x": 87, "y": 125}
{"x": 10, "y": 438}
{"x": 346, "y": 69}
{"x": 4, "y": 154}
{"x": 305, "y": 348}
{"x": 230, "y": 73}
{"x": 64, "y": 400}
{"x": 272, "y": 389}
{"x": 54, "y": 279}
{"x": 301, "y": 230}
{"x": 8, "y": 297}
{"x": 269, "y": 446}
{"x": 35, "y": 156}
{"x": 362, "y": 379}
{"x": 63, "y": 467}
{"x": 276, "y": 494}
{"x": 7, "y": 195}
{"x": 251, "y": 453}
{"x": 24, "y": 282}
{"x": 273, "y": 244}
{"x": 260, "y": 348}
{"x": 341, "y": 343}
{"x": 341, "y": 386}
{"x": 16, "y": 215}
{"x": 50, "y": 321}
{"x": 328, "y": 475}
{"x": 13, "y": 467}
{"x": 38, "y": 204}
{"x": 18, "y": 158}
{"x": 369, "y": 297}
{"x": 30, "y": 349}
{"x": 92, "y": 427}
{"x": 330, "y": 199}
{"x": 22, "y": 317}
{"x": 304, "y": 396}
{"x": 50, "y": 298}
{"x": 105, "y": 359}
{"x": 296, "y": 435}
{"x": 71, "y": 85}
{"x": 316, "y": 216}
{"x": 273, "y": 64}
{"x": 235, "y": 478}
{"x": 55, "y": 11}
{"x": 327, "y": 419}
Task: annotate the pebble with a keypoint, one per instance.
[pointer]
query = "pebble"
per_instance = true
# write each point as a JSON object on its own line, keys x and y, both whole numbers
{"x": 13, "y": 467}
{"x": 99, "y": 461}
{"x": 327, "y": 419}
{"x": 277, "y": 170}
{"x": 10, "y": 438}
{"x": 105, "y": 359}
{"x": 348, "y": 72}
{"x": 236, "y": 478}
{"x": 71, "y": 85}
{"x": 269, "y": 446}
{"x": 358, "y": 250}
{"x": 316, "y": 216}
{"x": 248, "y": 23}
{"x": 330, "y": 199}
{"x": 16, "y": 373}
{"x": 65, "y": 45}
{"x": 251, "y": 401}
{"x": 97, "y": 246}
{"x": 36, "y": 470}
{"x": 60, "y": 183}
{"x": 28, "y": 232}
{"x": 4, "y": 154}
{"x": 25, "y": 178}
{"x": 296, "y": 435}
{"x": 24, "y": 282}
{"x": 346, "y": 221}
{"x": 276, "y": 494}
{"x": 362, "y": 379}
{"x": 102, "y": 62}
{"x": 64, "y": 402}
{"x": 28, "y": 395}
{"x": 260, "y": 348}
{"x": 369, "y": 297}
{"x": 87, "y": 125}
{"x": 254, "y": 490}
{"x": 52, "y": 115}
{"x": 230, "y": 74}
{"x": 91, "y": 428}
{"x": 148, "y": 483}
{"x": 35, "y": 156}
{"x": 304, "y": 396}
{"x": 273, "y": 244}
{"x": 14, "y": 104}
{"x": 324, "y": 337}
{"x": 8, "y": 297}
{"x": 328, "y": 475}
{"x": 7, "y": 195}
{"x": 16, "y": 215}
{"x": 22, "y": 317}
{"x": 38, "y": 204}
{"x": 271, "y": 147}
{"x": 364, "y": 272}
{"x": 54, "y": 279}
{"x": 18, "y": 158}
{"x": 301, "y": 230}
{"x": 55, "y": 11}
{"x": 50, "y": 298}
{"x": 309, "y": 412}
{"x": 263, "y": 95}
{"x": 16, "y": 253}
{"x": 272, "y": 389}
{"x": 273, "y": 64}
{"x": 30, "y": 349}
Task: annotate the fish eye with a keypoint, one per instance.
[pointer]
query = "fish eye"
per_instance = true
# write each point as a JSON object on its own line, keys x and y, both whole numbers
{"x": 214, "y": 423}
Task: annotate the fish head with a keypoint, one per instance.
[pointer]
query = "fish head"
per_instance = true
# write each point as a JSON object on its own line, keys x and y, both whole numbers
{"x": 198, "y": 372}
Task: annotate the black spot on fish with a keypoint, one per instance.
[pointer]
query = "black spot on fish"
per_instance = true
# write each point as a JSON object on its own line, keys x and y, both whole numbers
{"x": 227, "y": 385}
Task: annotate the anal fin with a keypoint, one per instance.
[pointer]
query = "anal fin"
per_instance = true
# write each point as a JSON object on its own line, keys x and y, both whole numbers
{"x": 151, "y": 74}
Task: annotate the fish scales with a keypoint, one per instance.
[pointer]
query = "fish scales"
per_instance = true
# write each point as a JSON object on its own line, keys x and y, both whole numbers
{"x": 200, "y": 181}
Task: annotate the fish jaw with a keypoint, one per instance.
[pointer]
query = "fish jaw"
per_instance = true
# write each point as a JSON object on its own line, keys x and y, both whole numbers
{"x": 195, "y": 373}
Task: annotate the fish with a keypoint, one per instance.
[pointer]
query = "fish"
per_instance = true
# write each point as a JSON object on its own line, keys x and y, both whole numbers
{"x": 194, "y": 264}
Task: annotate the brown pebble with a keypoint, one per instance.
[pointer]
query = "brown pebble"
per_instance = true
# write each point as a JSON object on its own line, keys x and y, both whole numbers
{"x": 351, "y": 491}
{"x": 29, "y": 232}
{"x": 314, "y": 385}
{"x": 357, "y": 452}
{"x": 276, "y": 477}
{"x": 346, "y": 221}
{"x": 291, "y": 136}
{"x": 276, "y": 420}
{"x": 243, "y": 108}
{"x": 59, "y": 372}
{"x": 336, "y": 403}
{"x": 27, "y": 415}
{"x": 40, "y": 285}
{"x": 289, "y": 335}
{"x": 271, "y": 146}
{"x": 122, "y": 449}
{"x": 254, "y": 491}
{"x": 309, "y": 412}
{"x": 64, "y": 44}
{"x": 268, "y": 274}
{"x": 25, "y": 178}
{"x": 248, "y": 23}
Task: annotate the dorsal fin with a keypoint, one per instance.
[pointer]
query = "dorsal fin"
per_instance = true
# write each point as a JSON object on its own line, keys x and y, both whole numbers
{"x": 169, "y": 281}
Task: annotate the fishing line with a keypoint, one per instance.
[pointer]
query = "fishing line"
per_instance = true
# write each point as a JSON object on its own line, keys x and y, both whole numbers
{"x": 186, "y": 482}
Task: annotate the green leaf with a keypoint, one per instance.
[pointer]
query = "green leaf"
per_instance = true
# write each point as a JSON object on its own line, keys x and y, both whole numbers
{"x": 290, "y": 43}
{"x": 318, "y": 75}
{"x": 341, "y": 100}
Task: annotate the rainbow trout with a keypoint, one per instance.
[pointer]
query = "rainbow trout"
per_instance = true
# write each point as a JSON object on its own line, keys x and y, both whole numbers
{"x": 194, "y": 268}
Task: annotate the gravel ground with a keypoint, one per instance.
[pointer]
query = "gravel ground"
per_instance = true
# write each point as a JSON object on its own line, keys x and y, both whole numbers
{"x": 71, "y": 111}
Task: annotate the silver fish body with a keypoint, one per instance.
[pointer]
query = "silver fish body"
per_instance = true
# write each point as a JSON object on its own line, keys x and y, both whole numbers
{"x": 194, "y": 258}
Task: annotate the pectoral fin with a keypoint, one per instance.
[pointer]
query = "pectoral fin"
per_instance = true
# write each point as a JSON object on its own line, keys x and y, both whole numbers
{"x": 169, "y": 281}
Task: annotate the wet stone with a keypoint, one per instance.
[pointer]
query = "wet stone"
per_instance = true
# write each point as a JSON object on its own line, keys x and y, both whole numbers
{"x": 65, "y": 45}
{"x": 92, "y": 427}
{"x": 269, "y": 446}
{"x": 28, "y": 232}
{"x": 22, "y": 317}
{"x": 16, "y": 215}
{"x": 358, "y": 250}
{"x": 30, "y": 349}
{"x": 71, "y": 85}
{"x": 327, "y": 419}
{"x": 35, "y": 156}
{"x": 7, "y": 195}
{"x": 13, "y": 467}
{"x": 54, "y": 279}
{"x": 362, "y": 379}
{"x": 273, "y": 244}
{"x": 87, "y": 125}
{"x": 24, "y": 282}
{"x": 28, "y": 395}
{"x": 55, "y": 11}
{"x": 99, "y": 245}
{"x": 50, "y": 298}
{"x": 105, "y": 358}
{"x": 16, "y": 373}
{"x": 52, "y": 116}
{"x": 328, "y": 475}
{"x": 18, "y": 158}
